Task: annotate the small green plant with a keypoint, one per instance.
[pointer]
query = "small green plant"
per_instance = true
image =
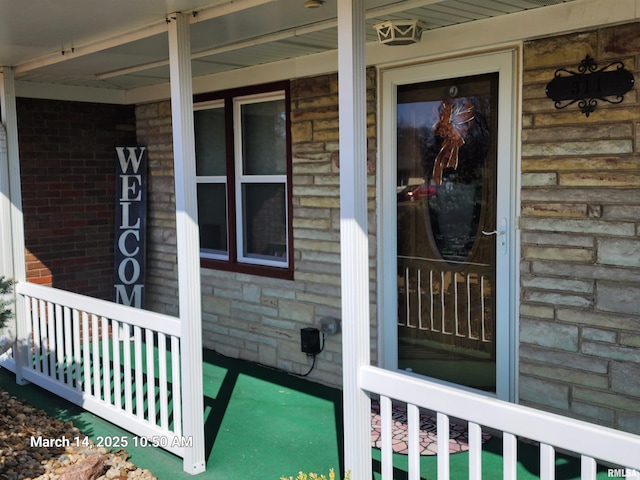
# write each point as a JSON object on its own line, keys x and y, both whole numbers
{"x": 315, "y": 476}
{"x": 6, "y": 287}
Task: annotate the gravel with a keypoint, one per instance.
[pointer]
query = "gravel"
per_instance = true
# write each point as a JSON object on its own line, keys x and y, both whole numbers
{"x": 23, "y": 457}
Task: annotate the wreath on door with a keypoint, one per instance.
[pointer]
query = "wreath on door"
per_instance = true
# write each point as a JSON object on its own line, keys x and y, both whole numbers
{"x": 454, "y": 118}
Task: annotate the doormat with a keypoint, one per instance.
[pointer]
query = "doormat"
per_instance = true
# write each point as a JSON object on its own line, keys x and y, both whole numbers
{"x": 458, "y": 437}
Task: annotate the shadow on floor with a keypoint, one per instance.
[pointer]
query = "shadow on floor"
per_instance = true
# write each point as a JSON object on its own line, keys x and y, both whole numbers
{"x": 266, "y": 417}
{"x": 259, "y": 423}
{"x": 264, "y": 423}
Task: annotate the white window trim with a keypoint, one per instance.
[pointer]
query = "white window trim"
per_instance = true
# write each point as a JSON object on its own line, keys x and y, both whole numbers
{"x": 214, "y": 179}
{"x": 241, "y": 179}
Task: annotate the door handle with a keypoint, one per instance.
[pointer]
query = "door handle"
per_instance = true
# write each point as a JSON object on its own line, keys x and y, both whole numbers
{"x": 502, "y": 233}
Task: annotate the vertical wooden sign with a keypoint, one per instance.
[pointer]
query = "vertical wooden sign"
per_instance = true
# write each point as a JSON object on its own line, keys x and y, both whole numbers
{"x": 130, "y": 225}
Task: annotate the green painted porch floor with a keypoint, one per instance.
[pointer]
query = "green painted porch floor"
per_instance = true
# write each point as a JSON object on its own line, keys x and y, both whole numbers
{"x": 261, "y": 424}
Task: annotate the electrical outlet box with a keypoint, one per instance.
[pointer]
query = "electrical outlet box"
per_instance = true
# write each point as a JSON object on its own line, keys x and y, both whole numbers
{"x": 310, "y": 341}
{"x": 330, "y": 325}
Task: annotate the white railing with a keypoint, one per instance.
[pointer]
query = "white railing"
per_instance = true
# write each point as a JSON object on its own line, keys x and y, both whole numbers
{"x": 591, "y": 442}
{"x": 121, "y": 363}
{"x": 446, "y": 302}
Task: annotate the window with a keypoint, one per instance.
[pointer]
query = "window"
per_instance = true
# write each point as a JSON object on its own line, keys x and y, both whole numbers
{"x": 243, "y": 180}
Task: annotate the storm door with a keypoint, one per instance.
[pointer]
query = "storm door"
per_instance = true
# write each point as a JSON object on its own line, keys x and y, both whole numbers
{"x": 450, "y": 232}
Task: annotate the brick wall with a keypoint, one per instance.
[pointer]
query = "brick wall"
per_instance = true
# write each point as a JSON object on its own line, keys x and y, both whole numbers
{"x": 67, "y": 169}
{"x": 259, "y": 318}
{"x": 580, "y": 277}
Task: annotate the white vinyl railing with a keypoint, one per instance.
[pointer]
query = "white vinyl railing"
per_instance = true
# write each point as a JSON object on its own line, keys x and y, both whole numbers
{"x": 121, "y": 363}
{"x": 593, "y": 443}
{"x": 432, "y": 296}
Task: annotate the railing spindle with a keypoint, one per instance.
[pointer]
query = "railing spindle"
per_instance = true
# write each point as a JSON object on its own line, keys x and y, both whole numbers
{"x": 137, "y": 346}
{"x": 32, "y": 308}
{"x": 455, "y": 305}
{"x": 126, "y": 353}
{"x": 442, "y": 304}
{"x": 117, "y": 378}
{"x": 86, "y": 353}
{"x": 51, "y": 334}
{"x": 484, "y": 327}
{"x": 162, "y": 367}
{"x": 443, "y": 446}
{"x": 44, "y": 328}
{"x": 419, "y": 293}
{"x": 96, "y": 361}
{"x": 386, "y": 428}
{"x": 588, "y": 468}
{"x": 151, "y": 376}
{"x": 59, "y": 345}
{"x": 547, "y": 462}
{"x": 106, "y": 360}
{"x": 469, "y": 331}
{"x": 475, "y": 451}
{"x": 509, "y": 456}
{"x": 68, "y": 346}
{"x": 77, "y": 350}
{"x": 431, "y": 293}
{"x": 407, "y": 278}
{"x": 176, "y": 391}
{"x": 413, "y": 420}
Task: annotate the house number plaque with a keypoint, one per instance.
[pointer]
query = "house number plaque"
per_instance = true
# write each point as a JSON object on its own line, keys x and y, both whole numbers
{"x": 589, "y": 85}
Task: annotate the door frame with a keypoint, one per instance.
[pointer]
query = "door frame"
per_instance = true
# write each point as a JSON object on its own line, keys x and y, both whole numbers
{"x": 505, "y": 63}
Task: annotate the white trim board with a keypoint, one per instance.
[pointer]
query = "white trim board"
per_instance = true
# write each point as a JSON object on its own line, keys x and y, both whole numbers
{"x": 482, "y": 34}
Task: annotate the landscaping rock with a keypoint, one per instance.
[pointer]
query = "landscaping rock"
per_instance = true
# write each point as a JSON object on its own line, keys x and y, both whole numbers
{"x": 88, "y": 469}
{"x": 22, "y": 458}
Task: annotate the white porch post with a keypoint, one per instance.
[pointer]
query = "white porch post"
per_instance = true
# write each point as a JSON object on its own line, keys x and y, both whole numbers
{"x": 354, "y": 235}
{"x": 184, "y": 165}
{"x": 12, "y": 256}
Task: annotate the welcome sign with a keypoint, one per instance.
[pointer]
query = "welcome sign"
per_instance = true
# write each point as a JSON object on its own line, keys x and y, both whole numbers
{"x": 130, "y": 225}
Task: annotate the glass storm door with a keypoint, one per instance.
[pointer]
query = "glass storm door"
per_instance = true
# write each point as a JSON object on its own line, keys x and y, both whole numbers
{"x": 449, "y": 231}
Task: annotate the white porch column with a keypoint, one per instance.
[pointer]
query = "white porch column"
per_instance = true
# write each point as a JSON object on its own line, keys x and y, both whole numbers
{"x": 12, "y": 253}
{"x": 6, "y": 239}
{"x": 188, "y": 245}
{"x": 354, "y": 235}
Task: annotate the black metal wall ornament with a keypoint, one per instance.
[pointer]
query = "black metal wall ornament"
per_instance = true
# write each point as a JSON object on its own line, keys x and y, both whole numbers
{"x": 590, "y": 84}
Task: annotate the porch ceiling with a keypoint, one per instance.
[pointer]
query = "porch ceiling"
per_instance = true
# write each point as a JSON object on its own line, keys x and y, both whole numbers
{"x": 122, "y": 44}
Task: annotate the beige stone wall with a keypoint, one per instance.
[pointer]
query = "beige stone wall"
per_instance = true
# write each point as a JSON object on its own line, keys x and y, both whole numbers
{"x": 579, "y": 351}
{"x": 153, "y": 125}
{"x": 580, "y": 277}
{"x": 259, "y": 318}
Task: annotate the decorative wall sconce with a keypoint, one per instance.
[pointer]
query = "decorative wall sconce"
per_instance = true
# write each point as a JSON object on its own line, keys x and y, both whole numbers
{"x": 588, "y": 85}
{"x": 399, "y": 32}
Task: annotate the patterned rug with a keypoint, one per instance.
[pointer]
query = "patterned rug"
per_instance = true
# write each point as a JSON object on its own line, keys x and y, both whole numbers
{"x": 458, "y": 438}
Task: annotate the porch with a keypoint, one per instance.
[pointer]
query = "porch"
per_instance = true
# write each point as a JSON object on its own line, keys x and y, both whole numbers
{"x": 303, "y": 432}
{"x": 119, "y": 363}
{"x": 259, "y": 423}
{"x": 106, "y": 357}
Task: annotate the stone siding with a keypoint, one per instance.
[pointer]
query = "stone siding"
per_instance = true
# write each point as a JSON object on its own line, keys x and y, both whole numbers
{"x": 153, "y": 125}
{"x": 580, "y": 240}
{"x": 580, "y": 277}
{"x": 259, "y": 318}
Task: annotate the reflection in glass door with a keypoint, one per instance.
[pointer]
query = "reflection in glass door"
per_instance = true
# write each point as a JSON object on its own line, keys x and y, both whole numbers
{"x": 447, "y": 229}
